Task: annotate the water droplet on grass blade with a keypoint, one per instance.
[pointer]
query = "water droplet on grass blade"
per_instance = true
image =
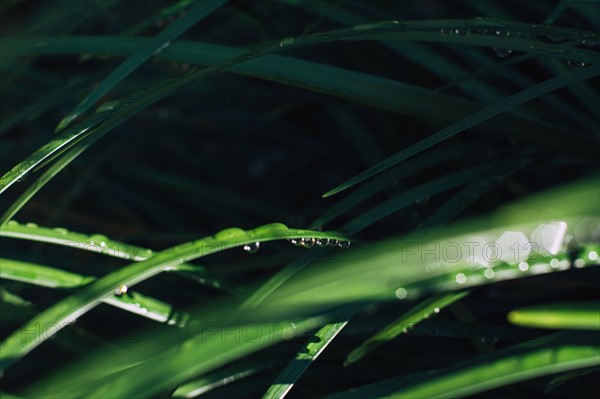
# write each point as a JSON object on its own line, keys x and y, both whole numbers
{"x": 288, "y": 41}
{"x": 423, "y": 201}
{"x": 375, "y": 26}
{"x": 122, "y": 289}
{"x": 401, "y": 293}
{"x": 252, "y": 248}
{"x": 60, "y": 230}
{"x": 321, "y": 242}
{"x": 445, "y": 31}
{"x": 502, "y": 52}
{"x": 343, "y": 244}
{"x": 307, "y": 242}
{"x": 462, "y": 32}
{"x": 31, "y": 225}
{"x": 575, "y": 64}
{"x": 461, "y": 278}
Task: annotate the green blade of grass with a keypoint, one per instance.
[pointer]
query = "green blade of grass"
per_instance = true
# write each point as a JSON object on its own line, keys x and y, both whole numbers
{"x": 401, "y": 325}
{"x": 45, "y": 276}
{"x": 159, "y": 42}
{"x": 366, "y": 89}
{"x": 308, "y": 353}
{"x": 419, "y": 163}
{"x": 581, "y": 315}
{"x": 547, "y": 355}
{"x": 486, "y": 113}
{"x": 69, "y": 309}
{"x": 429, "y": 188}
{"x": 373, "y": 273}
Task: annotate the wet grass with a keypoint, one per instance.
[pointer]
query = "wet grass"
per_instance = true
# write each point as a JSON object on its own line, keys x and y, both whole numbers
{"x": 424, "y": 180}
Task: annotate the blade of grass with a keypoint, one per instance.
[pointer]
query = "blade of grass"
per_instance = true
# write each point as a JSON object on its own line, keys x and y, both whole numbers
{"x": 369, "y": 90}
{"x": 308, "y": 353}
{"x": 44, "y": 276}
{"x": 547, "y": 355}
{"x": 69, "y": 309}
{"x": 581, "y": 315}
{"x": 195, "y": 14}
{"x": 486, "y": 113}
{"x": 403, "y": 324}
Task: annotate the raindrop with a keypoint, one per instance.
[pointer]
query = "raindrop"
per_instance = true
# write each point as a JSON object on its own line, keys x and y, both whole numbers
{"x": 375, "y": 25}
{"x": 343, "y": 244}
{"x": 307, "y": 242}
{"x": 579, "y": 263}
{"x": 405, "y": 330}
{"x": 461, "y": 278}
{"x": 462, "y": 32}
{"x": 576, "y": 64}
{"x": 13, "y": 223}
{"x": 426, "y": 316}
{"x": 21, "y": 178}
{"x": 401, "y": 293}
{"x": 489, "y": 273}
{"x": 436, "y": 310}
{"x": 288, "y": 41}
{"x": 107, "y": 106}
{"x": 99, "y": 239}
{"x": 332, "y": 242}
{"x": 593, "y": 255}
{"x": 423, "y": 201}
{"x": 523, "y": 266}
{"x": 445, "y": 32}
{"x": 252, "y": 248}
{"x": 502, "y": 52}
{"x": 31, "y": 225}
{"x": 295, "y": 241}
{"x": 587, "y": 43}
{"x": 554, "y": 263}
{"x": 555, "y": 38}
{"x": 503, "y": 33}
{"x": 122, "y": 289}
{"x": 321, "y": 242}
{"x": 61, "y": 231}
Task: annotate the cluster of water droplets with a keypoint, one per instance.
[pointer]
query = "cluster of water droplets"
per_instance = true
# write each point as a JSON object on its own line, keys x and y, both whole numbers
{"x": 309, "y": 242}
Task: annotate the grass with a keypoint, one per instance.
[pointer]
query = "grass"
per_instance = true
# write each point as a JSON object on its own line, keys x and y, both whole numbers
{"x": 424, "y": 181}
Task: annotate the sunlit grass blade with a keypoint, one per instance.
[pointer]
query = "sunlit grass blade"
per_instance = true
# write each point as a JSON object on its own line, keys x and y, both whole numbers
{"x": 41, "y": 275}
{"x": 472, "y": 120}
{"x": 81, "y": 302}
{"x": 580, "y": 315}
{"x": 403, "y": 324}
{"x": 544, "y": 356}
{"x": 133, "y": 302}
{"x": 309, "y": 352}
{"x": 160, "y": 41}
{"x": 369, "y": 274}
{"x": 216, "y": 379}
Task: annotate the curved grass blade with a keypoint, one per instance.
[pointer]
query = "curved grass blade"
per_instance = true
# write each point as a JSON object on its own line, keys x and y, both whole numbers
{"x": 217, "y": 379}
{"x": 69, "y": 309}
{"x": 547, "y": 355}
{"x": 309, "y": 352}
{"x": 410, "y": 196}
{"x": 424, "y": 161}
{"x": 373, "y": 273}
{"x": 159, "y": 42}
{"x": 102, "y": 245}
{"x": 486, "y": 113}
{"x": 579, "y": 315}
{"x": 403, "y": 324}
{"x": 45, "y": 276}
{"x": 354, "y": 86}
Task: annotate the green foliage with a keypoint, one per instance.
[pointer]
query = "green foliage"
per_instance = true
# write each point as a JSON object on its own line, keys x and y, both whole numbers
{"x": 460, "y": 141}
